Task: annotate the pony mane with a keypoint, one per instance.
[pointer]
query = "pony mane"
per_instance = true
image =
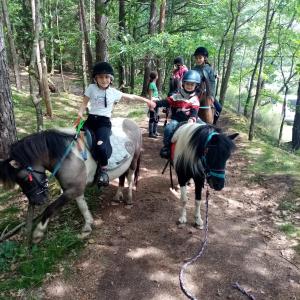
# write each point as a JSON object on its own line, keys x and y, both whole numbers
{"x": 47, "y": 144}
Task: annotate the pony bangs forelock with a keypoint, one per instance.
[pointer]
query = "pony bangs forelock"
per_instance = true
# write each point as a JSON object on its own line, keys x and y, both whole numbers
{"x": 7, "y": 177}
{"x": 27, "y": 149}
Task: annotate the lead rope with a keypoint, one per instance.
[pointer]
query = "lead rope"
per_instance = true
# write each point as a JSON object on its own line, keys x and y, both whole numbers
{"x": 198, "y": 255}
{"x": 195, "y": 257}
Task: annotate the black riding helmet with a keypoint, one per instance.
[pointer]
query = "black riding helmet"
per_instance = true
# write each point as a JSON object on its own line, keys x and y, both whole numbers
{"x": 102, "y": 68}
{"x": 178, "y": 60}
{"x": 201, "y": 51}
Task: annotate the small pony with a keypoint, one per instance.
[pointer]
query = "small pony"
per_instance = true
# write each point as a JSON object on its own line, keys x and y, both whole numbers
{"x": 33, "y": 155}
{"x": 200, "y": 153}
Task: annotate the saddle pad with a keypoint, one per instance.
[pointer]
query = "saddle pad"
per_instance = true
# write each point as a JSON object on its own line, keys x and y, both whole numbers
{"x": 122, "y": 148}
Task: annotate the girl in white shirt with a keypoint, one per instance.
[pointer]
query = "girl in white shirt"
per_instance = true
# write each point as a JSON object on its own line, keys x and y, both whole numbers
{"x": 102, "y": 98}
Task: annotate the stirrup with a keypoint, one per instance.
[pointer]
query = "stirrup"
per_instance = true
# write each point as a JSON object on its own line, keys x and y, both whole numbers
{"x": 103, "y": 179}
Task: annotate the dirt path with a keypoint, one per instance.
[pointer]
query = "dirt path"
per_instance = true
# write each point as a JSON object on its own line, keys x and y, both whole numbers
{"x": 137, "y": 253}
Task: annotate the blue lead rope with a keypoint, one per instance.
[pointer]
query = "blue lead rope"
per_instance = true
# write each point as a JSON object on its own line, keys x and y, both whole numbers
{"x": 68, "y": 149}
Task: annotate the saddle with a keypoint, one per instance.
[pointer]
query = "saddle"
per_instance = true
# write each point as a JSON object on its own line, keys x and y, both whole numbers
{"x": 122, "y": 147}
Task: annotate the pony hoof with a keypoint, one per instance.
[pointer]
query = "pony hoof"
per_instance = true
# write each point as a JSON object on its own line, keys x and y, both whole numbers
{"x": 129, "y": 205}
{"x": 37, "y": 240}
{"x": 198, "y": 226}
{"x": 115, "y": 202}
{"x": 180, "y": 224}
{"x": 83, "y": 235}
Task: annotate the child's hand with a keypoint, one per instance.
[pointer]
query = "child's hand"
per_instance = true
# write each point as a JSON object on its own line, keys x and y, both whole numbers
{"x": 151, "y": 105}
{"x": 76, "y": 123}
{"x": 190, "y": 120}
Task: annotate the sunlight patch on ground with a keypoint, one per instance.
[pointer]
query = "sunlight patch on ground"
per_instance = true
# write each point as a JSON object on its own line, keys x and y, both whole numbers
{"x": 58, "y": 290}
{"x": 161, "y": 276}
{"x": 162, "y": 296}
{"x": 255, "y": 151}
{"x": 141, "y": 252}
{"x": 213, "y": 275}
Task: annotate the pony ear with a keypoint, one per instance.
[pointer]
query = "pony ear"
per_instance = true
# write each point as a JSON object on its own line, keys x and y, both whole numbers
{"x": 233, "y": 136}
{"x": 14, "y": 164}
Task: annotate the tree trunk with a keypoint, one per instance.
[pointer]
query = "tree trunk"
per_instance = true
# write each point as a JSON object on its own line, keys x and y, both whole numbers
{"x": 220, "y": 49}
{"x": 132, "y": 74}
{"x": 296, "y": 126}
{"x": 226, "y": 77}
{"x": 35, "y": 6}
{"x": 83, "y": 55}
{"x": 160, "y": 60}
{"x": 251, "y": 84}
{"x": 240, "y": 80}
{"x": 259, "y": 80}
{"x": 101, "y": 21}
{"x": 283, "y": 115}
{"x": 8, "y": 133}
{"x": 52, "y": 57}
{"x": 14, "y": 55}
{"x": 86, "y": 39}
{"x": 60, "y": 48}
{"x": 147, "y": 59}
{"x": 46, "y": 92}
{"x": 122, "y": 78}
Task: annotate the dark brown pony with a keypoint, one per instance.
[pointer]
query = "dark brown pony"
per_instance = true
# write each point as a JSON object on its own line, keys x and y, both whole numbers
{"x": 206, "y": 109}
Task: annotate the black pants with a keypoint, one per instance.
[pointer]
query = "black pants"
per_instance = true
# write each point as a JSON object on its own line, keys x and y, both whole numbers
{"x": 101, "y": 126}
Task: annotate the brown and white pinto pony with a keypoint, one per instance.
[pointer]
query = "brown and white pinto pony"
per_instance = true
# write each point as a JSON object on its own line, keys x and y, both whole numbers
{"x": 30, "y": 158}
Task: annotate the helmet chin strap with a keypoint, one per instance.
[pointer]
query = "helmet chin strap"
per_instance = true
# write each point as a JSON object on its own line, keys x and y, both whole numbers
{"x": 188, "y": 92}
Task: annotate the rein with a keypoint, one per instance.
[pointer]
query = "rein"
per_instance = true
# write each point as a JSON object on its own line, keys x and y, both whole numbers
{"x": 68, "y": 149}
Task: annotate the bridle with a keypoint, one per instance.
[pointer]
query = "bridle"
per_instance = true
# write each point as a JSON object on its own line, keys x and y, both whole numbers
{"x": 35, "y": 185}
{"x": 219, "y": 173}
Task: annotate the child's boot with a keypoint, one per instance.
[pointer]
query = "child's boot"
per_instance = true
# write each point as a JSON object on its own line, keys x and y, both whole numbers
{"x": 155, "y": 129}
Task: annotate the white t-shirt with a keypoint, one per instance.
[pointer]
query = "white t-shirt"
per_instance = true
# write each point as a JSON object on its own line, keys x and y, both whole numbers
{"x": 97, "y": 99}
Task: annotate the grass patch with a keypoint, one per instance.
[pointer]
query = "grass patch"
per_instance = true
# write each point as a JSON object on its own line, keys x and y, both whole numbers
{"x": 6, "y": 195}
{"x": 136, "y": 114}
{"x": 29, "y": 268}
{"x": 290, "y": 229}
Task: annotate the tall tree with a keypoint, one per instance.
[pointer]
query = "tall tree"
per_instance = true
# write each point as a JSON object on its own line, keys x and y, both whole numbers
{"x": 161, "y": 28}
{"x": 151, "y": 31}
{"x": 296, "y": 126}
{"x": 88, "y": 49}
{"x": 33, "y": 60}
{"x": 101, "y": 23}
{"x": 226, "y": 76}
{"x": 259, "y": 79}
{"x": 13, "y": 51}
{"x": 122, "y": 81}
{"x": 8, "y": 133}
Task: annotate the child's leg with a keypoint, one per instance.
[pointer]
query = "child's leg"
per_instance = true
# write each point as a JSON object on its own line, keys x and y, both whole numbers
{"x": 151, "y": 124}
{"x": 155, "y": 123}
{"x": 168, "y": 133}
{"x": 103, "y": 150}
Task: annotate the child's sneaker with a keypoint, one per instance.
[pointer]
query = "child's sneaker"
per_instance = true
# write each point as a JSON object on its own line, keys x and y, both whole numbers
{"x": 103, "y": 179}
{"x": 165, "y": 152}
